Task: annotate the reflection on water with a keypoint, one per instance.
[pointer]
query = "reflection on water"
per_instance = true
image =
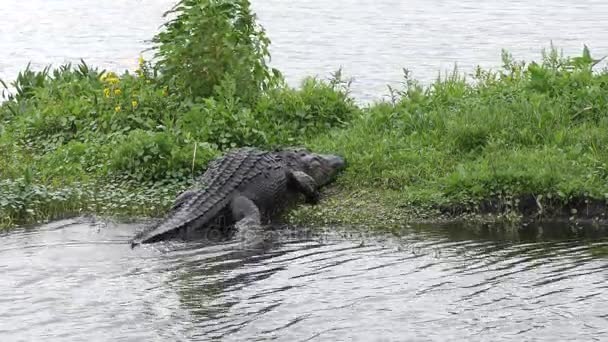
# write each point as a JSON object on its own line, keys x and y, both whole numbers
{"x": 74, "y": 279}
{"x": 372, "y": 40}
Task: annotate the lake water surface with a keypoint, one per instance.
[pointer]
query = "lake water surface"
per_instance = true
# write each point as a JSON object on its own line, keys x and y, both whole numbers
{"x": 371, "y": 40}
{"x": 78, "y": 280}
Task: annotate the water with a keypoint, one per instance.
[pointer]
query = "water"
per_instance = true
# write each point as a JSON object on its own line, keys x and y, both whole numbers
{"x": 78, "y": 280}
{"x": 371, "y": 40}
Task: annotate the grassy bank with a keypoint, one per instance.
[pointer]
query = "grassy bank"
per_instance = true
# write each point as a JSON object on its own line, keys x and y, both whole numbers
{"x": 526, "y": 139}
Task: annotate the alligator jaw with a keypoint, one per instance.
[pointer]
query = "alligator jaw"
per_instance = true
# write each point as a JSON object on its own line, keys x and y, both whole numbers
{"x": 335, "y": 162}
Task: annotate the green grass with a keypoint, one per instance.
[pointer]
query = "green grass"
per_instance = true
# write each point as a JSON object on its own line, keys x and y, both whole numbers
{"x": 536, "y": 129}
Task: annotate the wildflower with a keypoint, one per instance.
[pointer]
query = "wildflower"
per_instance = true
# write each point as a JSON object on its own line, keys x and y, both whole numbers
{"x": 106, "y": 92}
{"x": 117, "y": 109}
{"x": 110, "y": 78}
{"x": 117, "y": 92}
{"x": 134, "y": 104}
{"x": 141, "y": 63}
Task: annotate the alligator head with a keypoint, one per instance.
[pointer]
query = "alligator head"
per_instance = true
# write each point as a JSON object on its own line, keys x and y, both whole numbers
{"x": 323, "y": 168}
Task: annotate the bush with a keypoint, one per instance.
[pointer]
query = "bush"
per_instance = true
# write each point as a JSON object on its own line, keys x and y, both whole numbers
{"x": 281, "y": 116}
{"x": 210, "y": 42}
{"x": 76, "y": 125}
{"x": 315, "y": 108}
{"x": 154, "y": 156}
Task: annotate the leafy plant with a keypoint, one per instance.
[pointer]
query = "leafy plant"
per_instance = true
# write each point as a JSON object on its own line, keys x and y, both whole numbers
{"x": 209, "y": 41}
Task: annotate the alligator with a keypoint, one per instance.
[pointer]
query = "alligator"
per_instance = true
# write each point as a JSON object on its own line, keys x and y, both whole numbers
{"x": 245, "y": 188}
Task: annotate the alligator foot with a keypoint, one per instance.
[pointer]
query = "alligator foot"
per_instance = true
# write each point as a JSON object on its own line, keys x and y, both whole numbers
{"x": 305, "y": 184}
{"x": 248, "y": 227}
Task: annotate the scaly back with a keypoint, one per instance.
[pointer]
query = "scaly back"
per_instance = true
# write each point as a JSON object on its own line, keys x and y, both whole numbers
{"x": 218, "y": 184}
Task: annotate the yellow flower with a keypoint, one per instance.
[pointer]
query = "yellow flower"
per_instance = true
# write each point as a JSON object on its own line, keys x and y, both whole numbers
{"x": 117, "y": 109}
{"x": 134, "y": 104}
{"x": 110, "y": 78}
{"x": 107, "y": 75}
{"x": 106, "y": 92}
{"x": 117, "y": 92}
{"x": 141, "y": 63}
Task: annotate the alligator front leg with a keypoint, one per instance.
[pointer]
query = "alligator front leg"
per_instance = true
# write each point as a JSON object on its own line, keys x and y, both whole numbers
{"x": 305, "y": 184}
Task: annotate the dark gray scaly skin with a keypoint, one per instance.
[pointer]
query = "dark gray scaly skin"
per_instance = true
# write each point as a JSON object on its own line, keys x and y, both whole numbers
{"x": 245, "y": 188}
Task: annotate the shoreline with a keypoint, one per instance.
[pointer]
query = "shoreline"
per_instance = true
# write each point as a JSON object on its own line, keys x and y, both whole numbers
{"x": 370, "y": 210}
{"x": 383, "y": 210}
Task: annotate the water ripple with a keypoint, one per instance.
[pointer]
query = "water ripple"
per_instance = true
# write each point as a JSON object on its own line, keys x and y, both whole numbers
{"x": 74, "y": 279}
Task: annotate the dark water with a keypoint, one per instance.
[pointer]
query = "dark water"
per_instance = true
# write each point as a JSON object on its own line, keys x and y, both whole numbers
{"x": 372, "y": 40}
{"x": 79, "y": 280}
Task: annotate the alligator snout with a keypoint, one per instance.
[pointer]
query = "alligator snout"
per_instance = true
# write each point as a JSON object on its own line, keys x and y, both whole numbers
{"x": 335, "y": 162}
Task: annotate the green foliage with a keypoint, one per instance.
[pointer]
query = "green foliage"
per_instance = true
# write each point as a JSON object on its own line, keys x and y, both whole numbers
{"x": 154, "y": 156}
{"x": 315, "y": 108}
{"x": 209, "y": 42}
{"x": 77, "y": 139}
{"x": 526, "y": 129}
{"x": 26, "y": 81}
{"x": 281, "y": 116}
{"x": 74, "y": 127}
